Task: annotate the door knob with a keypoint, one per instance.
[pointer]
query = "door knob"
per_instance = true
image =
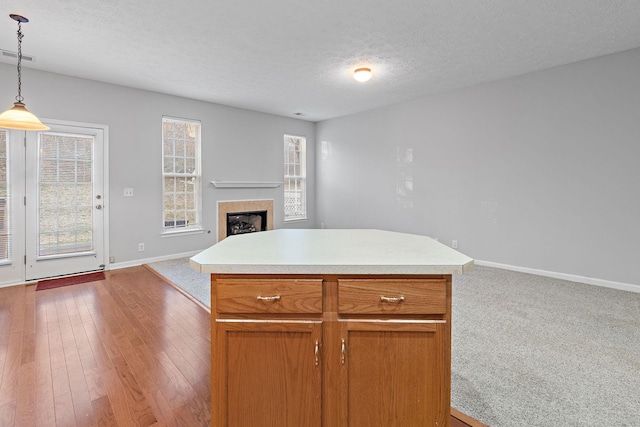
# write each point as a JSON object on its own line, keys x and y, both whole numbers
{"x": 98, "y": 206}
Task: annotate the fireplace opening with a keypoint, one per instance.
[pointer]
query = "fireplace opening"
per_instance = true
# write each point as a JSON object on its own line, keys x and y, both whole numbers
{"x": 246, "y": 222}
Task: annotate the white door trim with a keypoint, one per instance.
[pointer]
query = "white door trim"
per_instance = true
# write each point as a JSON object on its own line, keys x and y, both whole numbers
{"x": 49, "y": 267}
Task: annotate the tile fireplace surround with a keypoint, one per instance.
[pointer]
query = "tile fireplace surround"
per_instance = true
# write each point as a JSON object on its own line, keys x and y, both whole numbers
{"x": 225, "y": 207}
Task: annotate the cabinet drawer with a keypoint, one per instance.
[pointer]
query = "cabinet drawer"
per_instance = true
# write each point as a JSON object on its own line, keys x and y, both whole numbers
{"x": 269, "y": 295}
{"x": 391, "y": 296}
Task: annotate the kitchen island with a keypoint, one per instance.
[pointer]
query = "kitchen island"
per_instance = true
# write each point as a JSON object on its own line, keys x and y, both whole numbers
{"x": 330, "y": 328}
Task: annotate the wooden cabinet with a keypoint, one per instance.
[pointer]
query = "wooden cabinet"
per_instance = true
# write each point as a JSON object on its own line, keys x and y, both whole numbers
{"x": 389, "y": 296}
{"x": 331, "y": 351}
{"x": 264, "y": 295}
{"x": 394, "y": 374}
{"x": 269, "y": 373}
{"x": 266, "y": 368}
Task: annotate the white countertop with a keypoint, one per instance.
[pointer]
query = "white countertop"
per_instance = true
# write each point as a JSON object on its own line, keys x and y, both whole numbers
{"x": 292, "y": 251}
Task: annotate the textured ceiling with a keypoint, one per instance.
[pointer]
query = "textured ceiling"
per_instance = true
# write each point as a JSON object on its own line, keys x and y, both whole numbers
{"x": 296, "y": 56}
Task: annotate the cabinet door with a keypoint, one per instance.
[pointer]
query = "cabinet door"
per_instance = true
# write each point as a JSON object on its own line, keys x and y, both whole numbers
{"x": 395, "y": 373}
{"x": 268, "y": 373}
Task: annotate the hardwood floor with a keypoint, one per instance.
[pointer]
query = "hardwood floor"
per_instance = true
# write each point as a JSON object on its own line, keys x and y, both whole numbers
{"x": 126, "y": 351}
{"x": 130, "y": 350}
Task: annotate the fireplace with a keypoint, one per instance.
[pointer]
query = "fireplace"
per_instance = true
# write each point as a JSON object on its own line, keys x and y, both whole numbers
{"x": 242, "y": 213}
{"x": 246, "y": 222}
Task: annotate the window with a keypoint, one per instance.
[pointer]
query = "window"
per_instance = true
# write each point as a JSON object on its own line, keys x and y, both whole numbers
{"x": 65, "y": 194}
{"x": 5, "y": 230}
{"x": 181, "y": 175}
{"x": 295, "y": 178}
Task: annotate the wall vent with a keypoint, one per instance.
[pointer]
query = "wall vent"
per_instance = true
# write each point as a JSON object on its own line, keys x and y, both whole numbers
{"x": 14, "y": 55}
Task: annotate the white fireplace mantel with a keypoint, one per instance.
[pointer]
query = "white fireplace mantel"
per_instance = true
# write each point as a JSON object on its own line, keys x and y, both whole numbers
{"x": 246, "y": 184}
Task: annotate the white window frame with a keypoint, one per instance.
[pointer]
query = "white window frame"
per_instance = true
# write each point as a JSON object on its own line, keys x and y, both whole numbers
{"x": 6, "y": 228}
{"x": 173, "y": 230}
{"x": 12, "y": 267}
{"x": 301, "y": 176}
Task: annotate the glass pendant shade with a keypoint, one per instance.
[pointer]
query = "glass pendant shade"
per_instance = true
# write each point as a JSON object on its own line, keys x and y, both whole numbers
{"x": 18, "y": 117}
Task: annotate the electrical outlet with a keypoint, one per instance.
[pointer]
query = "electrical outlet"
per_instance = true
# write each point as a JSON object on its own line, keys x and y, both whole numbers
{"x": 112, "y": 259}
{"x": 140, "y": 247}
{"x": 128, "y": 192}
{"x": 454, "y": 244}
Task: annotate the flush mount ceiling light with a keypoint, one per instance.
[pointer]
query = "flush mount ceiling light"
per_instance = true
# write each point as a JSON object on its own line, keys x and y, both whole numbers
{"x": 18, "y": 117}
{"x": 362, "y": 74}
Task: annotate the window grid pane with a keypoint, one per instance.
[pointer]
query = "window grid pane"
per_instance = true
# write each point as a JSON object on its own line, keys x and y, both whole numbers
{"x": 294, "y": 178}
{"x": 65, "y": 194}
{"x": 181, "y": 174}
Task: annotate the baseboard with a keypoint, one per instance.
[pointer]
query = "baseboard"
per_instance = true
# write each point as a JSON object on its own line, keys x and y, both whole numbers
{"x": 9, "y": 284}
{"x": 119, "y": 265}
{"x": 563, "y": 276}
{"x": 138, "y": 262}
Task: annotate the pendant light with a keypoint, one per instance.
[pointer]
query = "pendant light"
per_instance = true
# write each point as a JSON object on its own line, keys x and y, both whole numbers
{"x": 18, "y": 117}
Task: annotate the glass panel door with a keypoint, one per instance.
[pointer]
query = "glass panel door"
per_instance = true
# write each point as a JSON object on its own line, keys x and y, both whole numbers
{"x": 64, "y": 202}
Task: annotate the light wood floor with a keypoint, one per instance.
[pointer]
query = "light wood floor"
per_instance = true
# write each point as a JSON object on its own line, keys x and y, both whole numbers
{"x": 126, "y": 351}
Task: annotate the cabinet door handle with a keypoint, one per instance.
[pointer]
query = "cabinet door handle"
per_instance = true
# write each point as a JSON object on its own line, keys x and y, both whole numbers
{"x": 273, "y": 298}
{"x": 344, "y": 352}
{"x": 317, "y": 353}
{"x": 391, "y": 299}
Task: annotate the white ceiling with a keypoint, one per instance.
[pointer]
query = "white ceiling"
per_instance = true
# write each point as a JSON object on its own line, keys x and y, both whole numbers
{"x": 296, "y": 56}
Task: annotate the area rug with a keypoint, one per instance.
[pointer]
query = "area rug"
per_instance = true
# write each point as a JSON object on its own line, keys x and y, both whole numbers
{"x": 69, "y": 280}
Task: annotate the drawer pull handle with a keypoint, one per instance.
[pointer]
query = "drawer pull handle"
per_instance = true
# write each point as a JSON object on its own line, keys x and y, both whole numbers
{"x": 317, "y": 353}
{"x": 269, "y": 299}
{"x": 344, "y": 352}
{"x": 391, "y": 299}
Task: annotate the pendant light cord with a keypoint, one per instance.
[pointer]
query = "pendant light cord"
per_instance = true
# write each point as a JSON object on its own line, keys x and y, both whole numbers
{"x": 19, "y": 98}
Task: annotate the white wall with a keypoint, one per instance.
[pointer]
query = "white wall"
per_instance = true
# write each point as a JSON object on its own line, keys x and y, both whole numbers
{"x": 236, "y": 145}
{"x": 539, "y": 171}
